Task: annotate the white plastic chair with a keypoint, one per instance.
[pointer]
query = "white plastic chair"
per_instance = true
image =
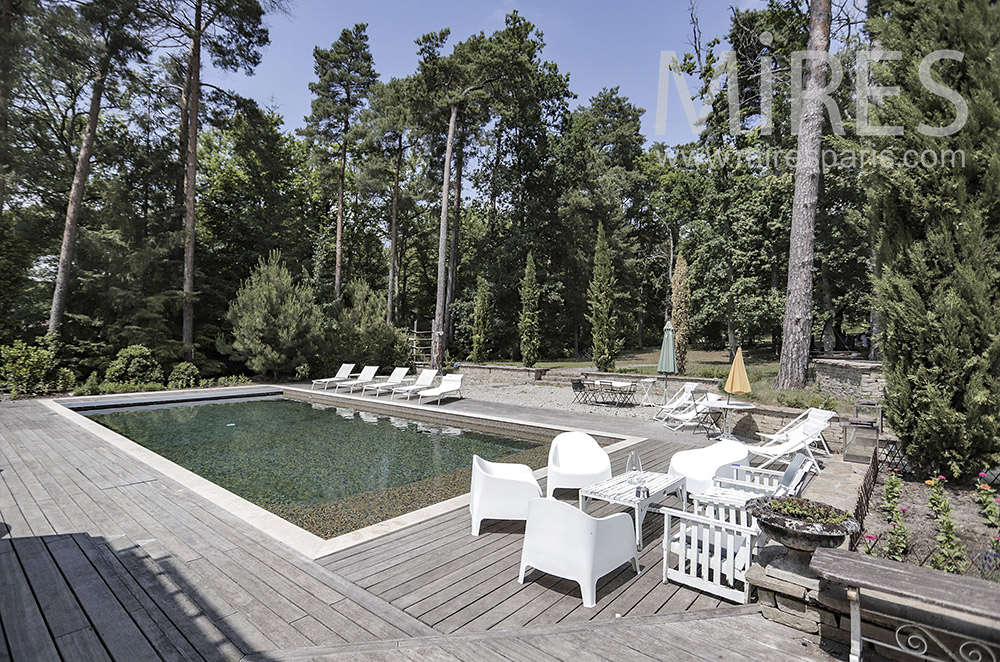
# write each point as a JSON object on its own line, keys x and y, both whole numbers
{"x": 342, "y": 376}
{"x": 700, "y": 466}
{"x": 449, "y": 384}
{"x": 698, "y": 414}
{"x": 367, "y": 376}
{"x": 424, "y": 381}
{"x": 500, "y": 491}
{"x": 564, "y": 541}
{"x": 679, "y": 400}
{"x": 391, "y": 382}
{"x": 576, "y": 460}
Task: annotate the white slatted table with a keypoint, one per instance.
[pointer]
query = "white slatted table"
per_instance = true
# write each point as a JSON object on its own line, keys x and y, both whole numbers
{"x": 619, "y": 490}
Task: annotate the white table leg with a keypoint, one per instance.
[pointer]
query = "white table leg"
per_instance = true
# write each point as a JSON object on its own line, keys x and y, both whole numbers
{"x": 640, "y": 514}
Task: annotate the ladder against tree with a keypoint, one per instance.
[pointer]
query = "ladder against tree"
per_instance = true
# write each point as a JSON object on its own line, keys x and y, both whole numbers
{"x": 420, "y": 347}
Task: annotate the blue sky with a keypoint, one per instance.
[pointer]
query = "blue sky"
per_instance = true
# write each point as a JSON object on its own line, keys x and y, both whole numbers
{"x": 600, "y": 45}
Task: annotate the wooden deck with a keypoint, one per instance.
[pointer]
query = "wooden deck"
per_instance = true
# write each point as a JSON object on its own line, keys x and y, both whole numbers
{"x": 106, "y": 559}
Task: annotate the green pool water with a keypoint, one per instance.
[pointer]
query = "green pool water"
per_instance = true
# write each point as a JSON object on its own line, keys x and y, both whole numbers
{"x": 328, "y": 470}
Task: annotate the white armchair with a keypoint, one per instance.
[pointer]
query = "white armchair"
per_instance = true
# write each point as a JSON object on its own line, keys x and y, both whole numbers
{"x": 500, "y": 491}
{"x": 700, "y": 466}
{"x": 564, "y": 541}
{"x": 576, "y": 460}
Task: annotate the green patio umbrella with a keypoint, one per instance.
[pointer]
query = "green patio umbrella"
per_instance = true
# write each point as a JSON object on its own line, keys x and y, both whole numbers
{"x": 668, "y": 354}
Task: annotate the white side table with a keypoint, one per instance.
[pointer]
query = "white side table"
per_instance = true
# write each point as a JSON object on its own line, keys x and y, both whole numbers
{"x": 619, "y": 490}
{"x": 647, "y": 392}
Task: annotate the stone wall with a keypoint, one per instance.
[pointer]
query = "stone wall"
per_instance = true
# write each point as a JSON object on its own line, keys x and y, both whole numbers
{"x": 850, "y": 380}
{"x": 477, "y": 373}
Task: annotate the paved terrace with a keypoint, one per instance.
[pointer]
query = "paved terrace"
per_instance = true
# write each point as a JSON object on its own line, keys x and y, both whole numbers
{"x": 107, "y": 559}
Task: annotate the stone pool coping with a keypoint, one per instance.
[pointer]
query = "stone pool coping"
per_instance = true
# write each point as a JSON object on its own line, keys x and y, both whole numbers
{"x": 297, "y": 538}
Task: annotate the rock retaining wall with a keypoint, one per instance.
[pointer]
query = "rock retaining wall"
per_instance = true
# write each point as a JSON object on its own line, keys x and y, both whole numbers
{"x": 850, "y": 380}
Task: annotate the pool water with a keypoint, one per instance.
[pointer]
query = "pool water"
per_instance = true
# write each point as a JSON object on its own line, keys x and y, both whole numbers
{"x": 327, "y": 470}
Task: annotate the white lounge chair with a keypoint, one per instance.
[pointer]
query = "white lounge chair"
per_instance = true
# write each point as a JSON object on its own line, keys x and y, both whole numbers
{"x": 397, "y": 377}
{"x": 424, "y": 381}
{"x": 576, "y": 460}
{"x": 449, "y": 384}
{"x": 342, "y": 376}
{"x": 699, "y": 414}
{"x": 812, "y": 416}
{"x": 562, "y": 540}
{"x": 500, "y": 491}
{"x": 367, "y": 376}
{"x": 681, "y": 399}
{"x": 700, "y": 466}
{"x": 750, "y": 482}
{"x": 710, "y": 551}
{"x": 797, "y": 440}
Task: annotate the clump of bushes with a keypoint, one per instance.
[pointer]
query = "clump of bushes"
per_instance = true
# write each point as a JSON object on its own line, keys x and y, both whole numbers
{"x": 31, "y": 370}
{"x": 134, "y": 365}
{"x": 184, "y": 375}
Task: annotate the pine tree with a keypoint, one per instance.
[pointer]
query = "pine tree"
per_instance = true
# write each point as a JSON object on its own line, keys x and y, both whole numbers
{"x": 482, "y": 316}
{"x": 276, "y": 323}
{"x": 939, "y": 293}
{"x": 681, "y": 299}
{"x": 601, "y": 303}
{"x": 528, "y": 325}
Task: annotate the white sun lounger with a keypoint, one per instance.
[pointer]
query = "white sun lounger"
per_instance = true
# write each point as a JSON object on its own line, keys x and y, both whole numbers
{"x": 366, "y": 377}
{"x": 424, "y": 381}
{"x": 449, "y": 384}
{"x": 397, "y": 377}
{"x": 342, "y": 376}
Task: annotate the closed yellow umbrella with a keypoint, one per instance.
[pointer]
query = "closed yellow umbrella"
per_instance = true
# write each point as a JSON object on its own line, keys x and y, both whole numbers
{"x": 737, "y": 382}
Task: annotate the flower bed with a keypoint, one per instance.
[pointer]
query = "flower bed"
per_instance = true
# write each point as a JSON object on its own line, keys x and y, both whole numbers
{"x": 934, "y": 523}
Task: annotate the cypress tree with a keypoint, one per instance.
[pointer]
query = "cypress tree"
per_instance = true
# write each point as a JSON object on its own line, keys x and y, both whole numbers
{"x": 681, "y": 299}
{"x": 601, "y": 303}
{"x": 528, "y": 325}
{"x": 937, "y": 225}
{"x": 482, "y": 316}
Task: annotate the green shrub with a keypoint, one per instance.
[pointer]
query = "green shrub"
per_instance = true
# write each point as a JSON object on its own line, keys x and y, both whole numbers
{"x": 528, "y": 326}
{"x": 90, "y": 387}
{"x": 184, "y": 375}
{"x": 482, "y": 317}
{"x": 277, "y": 325}
{"x": 133, "y": 365}
{"x": 361, "y": 334}
{"x": 65, "y": 380}
{"x": 129, "y": 387}
{"x": 27, "y": 370}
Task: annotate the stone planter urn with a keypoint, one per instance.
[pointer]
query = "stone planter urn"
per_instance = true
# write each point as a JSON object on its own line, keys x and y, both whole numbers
{"x": 802, "y": 526}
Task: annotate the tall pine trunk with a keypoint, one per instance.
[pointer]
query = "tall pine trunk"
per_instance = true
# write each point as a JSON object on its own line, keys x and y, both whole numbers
{"x": 340, "y": 215}
{"x": 391, "y": 295}
{"x": 73, "y": 207}
{"x": 797, "y": 328}
{"x": 438, "y": 340}
{"x": 190, "y": 182}
{"x": 6, "y": 28}
{"x": 456, "y": 225}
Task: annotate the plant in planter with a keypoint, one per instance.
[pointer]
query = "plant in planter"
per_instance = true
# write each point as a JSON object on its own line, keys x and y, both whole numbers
{"x": 801, "y": 525}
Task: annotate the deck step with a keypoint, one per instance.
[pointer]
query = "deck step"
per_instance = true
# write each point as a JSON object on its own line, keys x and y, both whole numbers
{"x": 320, "y": 652}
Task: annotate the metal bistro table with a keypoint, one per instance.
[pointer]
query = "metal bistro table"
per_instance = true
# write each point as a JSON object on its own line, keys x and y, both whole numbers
{"x": 725, "y": 408}
{"x": 619, "y": 490}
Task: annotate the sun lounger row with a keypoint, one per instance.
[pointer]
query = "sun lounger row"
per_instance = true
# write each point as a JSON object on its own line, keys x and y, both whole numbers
{"x": 396, "y": 383}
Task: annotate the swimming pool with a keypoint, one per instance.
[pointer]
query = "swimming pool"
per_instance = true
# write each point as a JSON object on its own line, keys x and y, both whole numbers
{"x": 327, "y": 470}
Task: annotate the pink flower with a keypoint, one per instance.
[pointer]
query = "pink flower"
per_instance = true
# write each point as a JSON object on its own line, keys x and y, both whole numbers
{"x": 869, "y": 536}
{"x": 942, "y": 478}
{"x": 904, "y": 510}
{"x": 893, "y": 523}
{"x": 982, "y": 474}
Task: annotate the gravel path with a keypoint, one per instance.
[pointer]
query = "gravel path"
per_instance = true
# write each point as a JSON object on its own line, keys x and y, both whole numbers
{"x": 549, "y": 397}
